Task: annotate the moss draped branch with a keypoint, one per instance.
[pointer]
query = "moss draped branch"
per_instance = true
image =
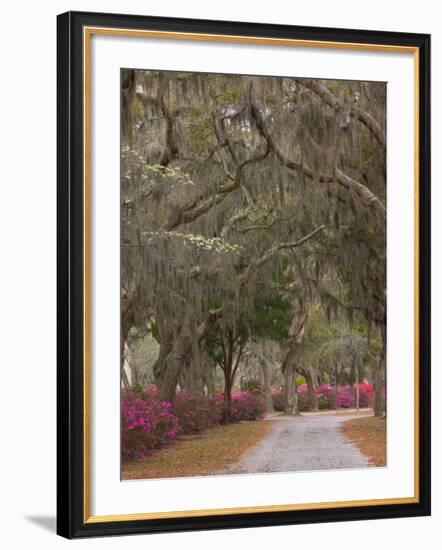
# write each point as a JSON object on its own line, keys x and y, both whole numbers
{"x": 354, "y": 110}
{"x": 365, "y": 196}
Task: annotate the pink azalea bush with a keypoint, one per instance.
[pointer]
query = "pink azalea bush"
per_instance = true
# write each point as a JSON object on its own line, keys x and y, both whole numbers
{"x": 305, "y": 402}
{"x": 149, "y": 423}
{"x": 195, "y": 415}
{"x": 347, "y": 395}
{"x": 326, "y": 397}
{"x": 247, "y": 405}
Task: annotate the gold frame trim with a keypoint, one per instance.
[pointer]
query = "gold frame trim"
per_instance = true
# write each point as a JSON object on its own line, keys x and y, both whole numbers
{"x": 87, "y": 34}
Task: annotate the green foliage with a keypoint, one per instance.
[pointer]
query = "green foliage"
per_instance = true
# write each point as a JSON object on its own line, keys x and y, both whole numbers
{"x": 250, "y": 384}
{"x": 200, "y": 133}
{"x": 228, "y": 98}
{"x": 137, "y": 389}
{"x": 155, "y": 332}
{"x": 271, "y": 99}
{"x": 137, "y": 108}
{"x": 271, "y": 317}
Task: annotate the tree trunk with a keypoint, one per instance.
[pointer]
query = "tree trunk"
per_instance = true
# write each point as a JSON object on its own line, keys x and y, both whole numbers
{"x": 265, "y": 371}
{"x": 267, "y": 385}
{"x": 166, "y": 347}
{"x": 336, "y": 375}
{"x": 228, "y": 344}
{"x": 357, "y": 384}
{"x": 128, "y": 89}
{"x": 378, "y": 377}
{"x": 175, "y": 363}
{"x": 174, "y": 354}
{"x": 313, "y": 399}
{"x": 193, "y": 375}
{"x": 289, "y": 365}
{"x": 210, "y": 378}
{"x": 125, "y": 379}
{"x": 290, "y": 393}
{"x": 227, "y": 412}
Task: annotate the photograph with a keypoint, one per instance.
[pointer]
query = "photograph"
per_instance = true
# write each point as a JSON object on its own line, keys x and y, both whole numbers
{"x": 253, "y": 265}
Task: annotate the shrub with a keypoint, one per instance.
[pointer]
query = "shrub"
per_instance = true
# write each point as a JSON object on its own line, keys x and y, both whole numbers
{"x": 251, "y": 384}
{"x": 304, "y": 398}
{"x": 194, "y": 414}
{"x": 247, "y": 405}
{"x": 147, "y": 423}
{"x": 366, "y": 394}
{"x": 347, "y": 395}
{"x": 345, "y": 399}
{"x": 278, "y": 400}
{"x": 326, "y": 396}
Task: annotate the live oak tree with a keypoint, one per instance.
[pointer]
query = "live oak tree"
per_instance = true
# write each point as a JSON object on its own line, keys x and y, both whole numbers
{"x": 238, "y": 187}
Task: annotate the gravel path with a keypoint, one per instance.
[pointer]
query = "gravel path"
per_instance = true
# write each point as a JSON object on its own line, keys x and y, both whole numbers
{"x": 312, "y": 441}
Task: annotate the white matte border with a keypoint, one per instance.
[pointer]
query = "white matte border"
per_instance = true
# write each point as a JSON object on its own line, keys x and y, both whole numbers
{"x": 109, "y": 495}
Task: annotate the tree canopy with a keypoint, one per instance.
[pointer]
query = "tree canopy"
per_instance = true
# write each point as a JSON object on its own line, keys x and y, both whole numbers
{"x": 253, "y": 207}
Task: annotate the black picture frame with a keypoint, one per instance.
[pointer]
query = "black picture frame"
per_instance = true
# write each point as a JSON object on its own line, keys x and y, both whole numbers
{"x": 71, "y": 519}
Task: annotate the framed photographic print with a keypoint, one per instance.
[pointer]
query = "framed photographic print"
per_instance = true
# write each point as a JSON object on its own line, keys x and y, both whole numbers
{"x": 243, "y": 274}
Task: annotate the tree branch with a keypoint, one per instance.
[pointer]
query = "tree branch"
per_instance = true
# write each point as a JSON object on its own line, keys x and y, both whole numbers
{"x": 355, "y": 111}
{"x": 267, "y": 256}
{"x": 369, "y": 199}
{"x": 206, "y": 326}
{"x": 238, "y": 357}
{"x": 292, "y": 244}
{"x": 204, "y": 202}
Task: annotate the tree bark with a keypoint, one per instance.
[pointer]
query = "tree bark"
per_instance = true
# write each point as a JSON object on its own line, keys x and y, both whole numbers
{"x": 355, "y": 111}
{"x": 313, "y": 399}
{"x": 173, "y": 365}
{"x": 193, "y": 374}
{"x": 210, "y": 379}
{"x": 378, "y": 377}
{"x": 267, "y": 385}
{"x": 128, "y": 94}
{"x": 289, "y": 364}
{"x": 227, "y": 412}
{"x": 231, "y": 344}
{"x": 227, "y": 344}
{"x": 290, "y": 394}
{"x": 173, "y": 359}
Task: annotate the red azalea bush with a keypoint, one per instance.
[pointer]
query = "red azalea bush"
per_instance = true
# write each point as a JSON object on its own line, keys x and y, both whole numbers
{"x": 366, "y": 394}
{"x": 147, "y": 423}
{"x": 347, "y": 395}
{"x": 345, "y": 398}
